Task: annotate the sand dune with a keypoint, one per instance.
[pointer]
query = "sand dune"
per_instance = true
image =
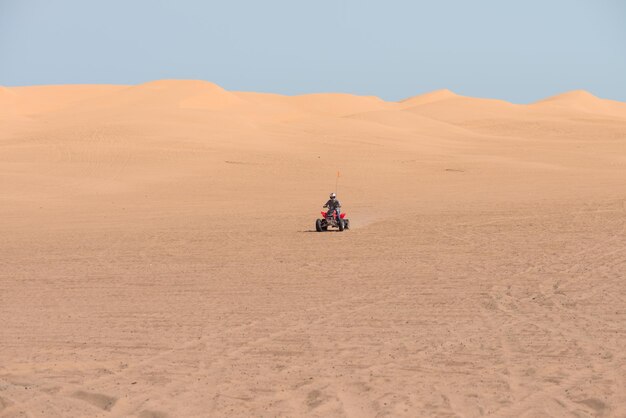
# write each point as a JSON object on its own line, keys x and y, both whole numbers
{"x": 582, "y": 101}
{"x": 43, "y": 99}
{"x": 465, "y": 109}
{"x": 338, "y": 104}
{"x": 434, "y": 96}
{"x": 186, "y": 94}
{"x": 164, "y": 95}
{"x": 159, "y": 259}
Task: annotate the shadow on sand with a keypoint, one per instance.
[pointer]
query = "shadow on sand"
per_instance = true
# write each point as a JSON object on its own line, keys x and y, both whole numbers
{"x": 313, "y": 230}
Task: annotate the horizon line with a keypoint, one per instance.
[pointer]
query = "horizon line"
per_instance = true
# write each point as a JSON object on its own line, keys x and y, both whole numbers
{"x": 430, "y": 92}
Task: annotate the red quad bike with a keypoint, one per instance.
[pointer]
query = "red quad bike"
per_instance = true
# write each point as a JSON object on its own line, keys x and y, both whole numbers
{"x": 332, "y": 221}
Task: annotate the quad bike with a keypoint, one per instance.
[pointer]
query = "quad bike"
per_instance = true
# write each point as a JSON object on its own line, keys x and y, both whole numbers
{"x": 329, "y": 220}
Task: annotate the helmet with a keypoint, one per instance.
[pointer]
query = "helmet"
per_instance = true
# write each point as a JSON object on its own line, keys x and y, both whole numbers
{"x": 332, "y": 195}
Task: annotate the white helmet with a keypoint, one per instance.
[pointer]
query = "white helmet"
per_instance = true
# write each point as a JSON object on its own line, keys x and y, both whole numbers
{"x": 333, "y": 196}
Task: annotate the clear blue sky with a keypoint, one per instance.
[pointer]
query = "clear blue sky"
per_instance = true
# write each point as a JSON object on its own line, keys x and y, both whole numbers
{"x": 519, "y": 50}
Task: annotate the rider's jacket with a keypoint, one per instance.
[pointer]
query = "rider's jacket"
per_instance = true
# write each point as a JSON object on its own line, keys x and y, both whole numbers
{"x": 332, "y": 205}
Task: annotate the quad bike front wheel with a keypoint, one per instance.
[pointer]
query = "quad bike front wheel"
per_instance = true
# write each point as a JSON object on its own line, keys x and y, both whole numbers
{"x": 346, "y": 223}
{"x": 318, "y": 225}
{"x": 341, "y": 224}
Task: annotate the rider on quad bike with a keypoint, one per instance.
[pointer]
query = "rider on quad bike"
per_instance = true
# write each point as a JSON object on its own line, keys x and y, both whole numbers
{"x": 332, "y": 205}
{"x": 332, "y": 217}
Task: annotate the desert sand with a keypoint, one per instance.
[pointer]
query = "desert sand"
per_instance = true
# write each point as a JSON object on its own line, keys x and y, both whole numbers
{"x": 159, "y": 257}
